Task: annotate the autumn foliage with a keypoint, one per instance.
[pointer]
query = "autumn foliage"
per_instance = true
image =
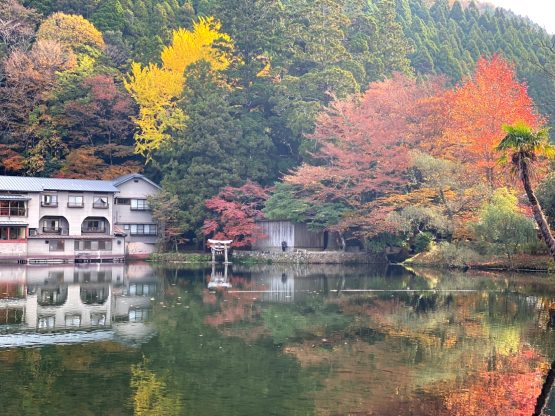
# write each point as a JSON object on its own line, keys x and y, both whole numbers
{"x": 479, "y": 108}
{"x": 234, "y": 214}
{"x": 407, "y": 143}
{"x": 510, "y": 389}
{"x": 156, "y": 88}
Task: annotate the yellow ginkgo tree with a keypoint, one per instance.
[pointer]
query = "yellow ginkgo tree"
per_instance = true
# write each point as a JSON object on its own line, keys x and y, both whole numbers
{"x": 156, "y": 88}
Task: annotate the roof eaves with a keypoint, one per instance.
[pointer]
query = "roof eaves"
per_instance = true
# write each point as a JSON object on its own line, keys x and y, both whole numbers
{"x": 126, "y": 178}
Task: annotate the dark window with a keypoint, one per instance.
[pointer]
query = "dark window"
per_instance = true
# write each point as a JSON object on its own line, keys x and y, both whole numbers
{"x": 12, "y": 233}
{"x": 123, "y": 201}
{"x": 94, "y": 226}
{"x": 13, "y": 208}
{"x": 56, "y": 245}
{"x": 93, "y": 245}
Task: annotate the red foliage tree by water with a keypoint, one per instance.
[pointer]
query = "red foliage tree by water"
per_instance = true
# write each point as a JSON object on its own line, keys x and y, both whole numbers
{"x": 234, "y": 214}
{"x": 361, "y": 147}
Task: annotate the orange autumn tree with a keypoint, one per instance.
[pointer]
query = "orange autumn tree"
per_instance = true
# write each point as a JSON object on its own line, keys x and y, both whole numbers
{"x": 480, "y": 107}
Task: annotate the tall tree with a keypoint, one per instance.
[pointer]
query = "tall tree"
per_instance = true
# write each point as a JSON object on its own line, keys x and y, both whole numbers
{"x": 480, "y": 107}
{"x": 522, "y": 146}
{"x": 157, "y": 88}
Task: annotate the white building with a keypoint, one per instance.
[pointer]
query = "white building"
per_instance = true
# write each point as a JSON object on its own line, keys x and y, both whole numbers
{"x": 75, "y": 220}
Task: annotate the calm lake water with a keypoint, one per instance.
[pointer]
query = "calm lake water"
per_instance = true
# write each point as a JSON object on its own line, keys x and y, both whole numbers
{"x": 271, "y": 340}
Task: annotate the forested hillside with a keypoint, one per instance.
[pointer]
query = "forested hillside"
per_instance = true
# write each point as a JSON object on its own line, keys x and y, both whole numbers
{"x": 202, "y": 94}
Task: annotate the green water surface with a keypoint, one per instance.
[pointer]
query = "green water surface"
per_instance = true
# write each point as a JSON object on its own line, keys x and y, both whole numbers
{"x": 271, "y": 340}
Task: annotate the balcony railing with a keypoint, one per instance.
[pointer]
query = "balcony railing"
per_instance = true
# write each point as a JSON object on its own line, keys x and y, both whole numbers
{"x": 93, "y": 230}
{"x": 75, "y": 205}
{"x": 55, "y": 230}
{"x": 100, "y": 205}
{"x": 49, "y": 204}
{"x": 13, "y": 212}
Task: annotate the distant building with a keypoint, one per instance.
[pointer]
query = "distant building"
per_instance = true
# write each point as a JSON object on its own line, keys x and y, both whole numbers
{"x": 75, "y": 220}
{"x": 288, "y": 235}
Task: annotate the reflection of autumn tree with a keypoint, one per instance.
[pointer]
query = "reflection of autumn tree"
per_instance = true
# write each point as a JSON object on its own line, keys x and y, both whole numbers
{"x": 510, "y": 388}
{"x": 151, "y": 397}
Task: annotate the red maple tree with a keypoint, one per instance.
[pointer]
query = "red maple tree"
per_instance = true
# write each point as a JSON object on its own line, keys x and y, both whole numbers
{"x": 234, "y": 214}
{"x": 361, "y": 147}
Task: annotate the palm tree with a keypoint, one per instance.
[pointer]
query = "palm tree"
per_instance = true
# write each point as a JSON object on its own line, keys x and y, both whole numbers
{"x": 522, "y": 146}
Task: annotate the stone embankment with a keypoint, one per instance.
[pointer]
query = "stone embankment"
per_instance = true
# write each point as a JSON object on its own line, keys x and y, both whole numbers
{"x": 305, "y": 257}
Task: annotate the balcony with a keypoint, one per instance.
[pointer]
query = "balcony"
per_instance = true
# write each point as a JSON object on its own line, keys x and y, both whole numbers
{"x": 96, "y": 225}
{"x": 49, "y": 204}
{"x": 75, "y": 205}
{"x": 13, "y": 212}
{"x": 54, "y": 225}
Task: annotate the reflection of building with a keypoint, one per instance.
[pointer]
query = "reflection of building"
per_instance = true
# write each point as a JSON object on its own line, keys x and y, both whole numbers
{"x": 74, "y": 220}
{"x": 42, "y": 302}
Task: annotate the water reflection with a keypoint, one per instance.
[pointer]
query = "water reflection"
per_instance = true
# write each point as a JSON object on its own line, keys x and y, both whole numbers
{"x": 38, "y": 303}
{"x": 300, "y": 340}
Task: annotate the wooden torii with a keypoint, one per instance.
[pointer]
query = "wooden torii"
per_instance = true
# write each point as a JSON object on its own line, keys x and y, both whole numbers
{"x": 219, "y": 247}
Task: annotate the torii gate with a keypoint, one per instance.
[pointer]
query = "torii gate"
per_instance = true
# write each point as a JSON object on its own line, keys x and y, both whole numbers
{"x": 219, "y": 247}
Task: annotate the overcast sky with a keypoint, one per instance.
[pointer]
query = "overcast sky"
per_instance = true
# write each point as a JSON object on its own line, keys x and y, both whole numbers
{"x": 540, "y": 11}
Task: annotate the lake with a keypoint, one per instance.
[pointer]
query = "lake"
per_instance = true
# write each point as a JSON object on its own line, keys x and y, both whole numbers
{"x": 271, "y": 340}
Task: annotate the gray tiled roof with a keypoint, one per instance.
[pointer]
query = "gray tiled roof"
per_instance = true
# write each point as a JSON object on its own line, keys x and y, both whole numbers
{"x": 29, "y": 184}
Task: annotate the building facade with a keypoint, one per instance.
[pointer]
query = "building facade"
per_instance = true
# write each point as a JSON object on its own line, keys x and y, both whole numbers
{"x": 74, "y": 220}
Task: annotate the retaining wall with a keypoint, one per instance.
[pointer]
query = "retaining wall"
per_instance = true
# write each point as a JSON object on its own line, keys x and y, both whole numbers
{"x": 308, "y": 257}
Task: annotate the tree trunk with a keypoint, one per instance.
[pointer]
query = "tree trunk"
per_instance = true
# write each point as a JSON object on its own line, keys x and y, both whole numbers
{"x": 536, "y": 209}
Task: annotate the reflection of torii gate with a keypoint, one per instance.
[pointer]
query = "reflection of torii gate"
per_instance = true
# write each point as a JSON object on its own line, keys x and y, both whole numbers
{"x": 219, "y": 280}
{"x": 219, "y": 247}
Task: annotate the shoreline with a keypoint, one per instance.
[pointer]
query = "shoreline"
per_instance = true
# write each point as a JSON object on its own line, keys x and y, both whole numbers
{"x": 520, "y": 263}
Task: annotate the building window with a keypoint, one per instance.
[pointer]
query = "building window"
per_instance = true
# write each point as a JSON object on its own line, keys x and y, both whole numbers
{"x": 123, "y": 201}
{"x": 145, "y": 289}
{"x": 93, "y": 245}
{"x": 73, "y": 321}
{"x": 13, "y": 209}
{"x": 12, "y": 233}
{"x": 49, "y": 200}
{"x": 46, "y": 322}
{"x": 139, "y": 205}
{"x": 141, "y": 229}
{"x": 138, "y": 315}
{"x": 100, "y": 202}
{"x": 98, "y": 319}
{"x": 56, "y": 245}
{"x": 75, "y": 201}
